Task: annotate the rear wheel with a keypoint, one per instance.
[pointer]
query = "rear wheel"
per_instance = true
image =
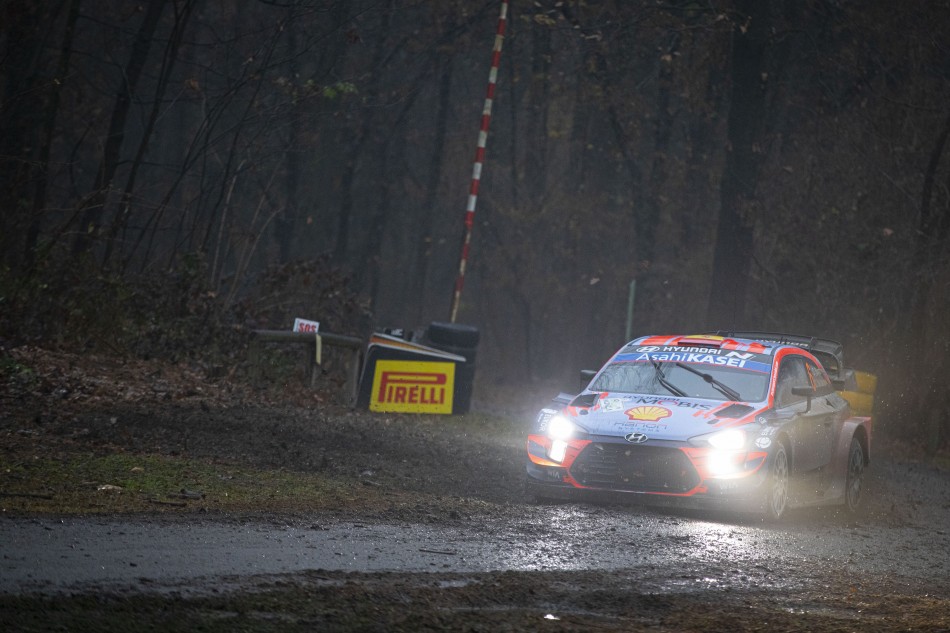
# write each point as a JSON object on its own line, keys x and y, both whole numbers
{"x": 776, "y": 490}
{"x": 853, "y": 486}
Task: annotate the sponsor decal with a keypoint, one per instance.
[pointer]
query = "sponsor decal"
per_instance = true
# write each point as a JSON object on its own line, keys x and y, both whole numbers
{"x": 763, "y": 442}
{"x": 740, "y": 360}
{"x": 673, "y": 348}
{"x": 611, "y": 404}
{"x": 648, "y": 413}
{"x": 544, "y": 416}
{"x": 413, "y": 387}
{"x": 643, "y": 427}
{"x": 668, "y": 402}
{"x": 694, "y": 357}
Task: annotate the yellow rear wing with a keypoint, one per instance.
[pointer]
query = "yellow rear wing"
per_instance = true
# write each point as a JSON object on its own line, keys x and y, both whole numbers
{"x": 862, "y": 399}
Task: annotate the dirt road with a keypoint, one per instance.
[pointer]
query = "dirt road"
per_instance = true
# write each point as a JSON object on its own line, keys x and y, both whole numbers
{"x": 673, "y": 550}
{"x": 449, "y": 542}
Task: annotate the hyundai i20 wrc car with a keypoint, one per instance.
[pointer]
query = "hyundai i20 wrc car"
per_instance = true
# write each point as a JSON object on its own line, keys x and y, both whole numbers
{"x": 752, "y": 423}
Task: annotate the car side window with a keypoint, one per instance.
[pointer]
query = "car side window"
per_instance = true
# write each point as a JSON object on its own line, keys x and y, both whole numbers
{"x": 791, "y": 373}
{"x": 819, "y": 377}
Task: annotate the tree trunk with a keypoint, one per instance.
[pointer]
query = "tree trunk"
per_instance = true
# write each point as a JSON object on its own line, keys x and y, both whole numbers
{"x": 539, "y": 95}
{"x": 285, "y": 222}
{"x": 737, "y": 214}
{"x": 650, "y": 219}
{"x": 48, "y": 135}
{"x": 92, "y": 207}
{"x": 420, "y": 270}
{"x": 23, "y": 25}
{"x": 930, "y": 227}
{"x": 924, "y": 381}
{"x": 123, "y": 211}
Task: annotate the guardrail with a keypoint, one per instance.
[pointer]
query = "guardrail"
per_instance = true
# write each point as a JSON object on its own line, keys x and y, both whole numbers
{"x": 317, "y": 341}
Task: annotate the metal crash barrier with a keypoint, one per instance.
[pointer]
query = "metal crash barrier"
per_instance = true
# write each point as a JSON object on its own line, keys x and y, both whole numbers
{"x": 317, "y": 341}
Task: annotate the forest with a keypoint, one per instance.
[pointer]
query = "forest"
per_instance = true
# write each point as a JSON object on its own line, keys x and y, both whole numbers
{"x": 177, "y": 172}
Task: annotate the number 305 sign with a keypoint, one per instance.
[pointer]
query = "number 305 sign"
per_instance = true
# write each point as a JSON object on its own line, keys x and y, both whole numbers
{"x": 303, "y": 325}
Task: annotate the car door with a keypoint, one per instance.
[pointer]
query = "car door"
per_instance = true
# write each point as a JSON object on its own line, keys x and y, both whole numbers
{"x": 829, "y": 413}
{"x": 809, "y": 418}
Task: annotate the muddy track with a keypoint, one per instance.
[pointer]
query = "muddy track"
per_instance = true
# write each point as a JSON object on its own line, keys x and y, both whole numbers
{"x": 461, "y": 549}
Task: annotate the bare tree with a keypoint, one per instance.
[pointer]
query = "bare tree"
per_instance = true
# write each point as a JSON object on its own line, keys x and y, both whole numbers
{"x": 738, "y": 207}
{"x": 91, "y": 209}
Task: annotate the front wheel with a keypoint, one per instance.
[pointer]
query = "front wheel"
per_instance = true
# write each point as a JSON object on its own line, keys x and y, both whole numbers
{"x": 776, "y": 491}
{"x": 853, "y": 485}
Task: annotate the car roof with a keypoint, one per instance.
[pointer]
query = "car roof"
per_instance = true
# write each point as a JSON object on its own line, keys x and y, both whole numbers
{"x": 829, "y": 353}
{"x": 704, "y": 340}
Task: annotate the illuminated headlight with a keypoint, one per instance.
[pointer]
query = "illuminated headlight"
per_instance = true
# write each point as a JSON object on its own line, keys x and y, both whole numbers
{"x": 726, "y": 458}
{"x": 560, "y": 428}
{"x": 558, "y": 450}
{"x": 723, "y": 463}
{"x": 728, "y": 440}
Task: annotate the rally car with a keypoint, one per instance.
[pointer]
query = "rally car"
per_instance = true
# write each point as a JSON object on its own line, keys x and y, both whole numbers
{"x": 754, "y": 423}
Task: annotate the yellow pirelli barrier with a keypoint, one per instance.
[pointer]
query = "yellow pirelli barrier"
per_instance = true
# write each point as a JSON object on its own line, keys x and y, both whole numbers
{"x": 400, "y": 376}
{"x": 412, "y": 386}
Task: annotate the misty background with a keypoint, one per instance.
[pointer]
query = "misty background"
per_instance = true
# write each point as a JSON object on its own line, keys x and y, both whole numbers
{"x": 176, "y": 172}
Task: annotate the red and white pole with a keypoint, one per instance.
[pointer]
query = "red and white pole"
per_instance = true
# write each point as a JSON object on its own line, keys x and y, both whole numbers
{"x": 479, "y": 160}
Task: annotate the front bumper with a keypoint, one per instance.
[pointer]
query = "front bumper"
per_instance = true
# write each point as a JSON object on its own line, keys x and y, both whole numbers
{"x": 654, "y": 471}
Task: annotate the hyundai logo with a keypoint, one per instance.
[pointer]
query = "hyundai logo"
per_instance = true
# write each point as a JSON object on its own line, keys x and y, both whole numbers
{"x": 636, "y": 438}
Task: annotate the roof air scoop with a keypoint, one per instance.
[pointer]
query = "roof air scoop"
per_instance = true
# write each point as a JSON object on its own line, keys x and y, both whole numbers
{"x": 585, "y": 400}
{"x": 694, "y": 341}
{"x": 735, "y": 411}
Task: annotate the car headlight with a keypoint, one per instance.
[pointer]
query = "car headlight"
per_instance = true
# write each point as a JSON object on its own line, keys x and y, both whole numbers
{"x": 728, "y": 440}
{"x": 560, "y": 428}
{"x": 558, "y": 451}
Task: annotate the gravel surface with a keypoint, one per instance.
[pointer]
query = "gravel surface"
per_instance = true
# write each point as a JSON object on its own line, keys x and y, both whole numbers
{"x": 457, "y": 547}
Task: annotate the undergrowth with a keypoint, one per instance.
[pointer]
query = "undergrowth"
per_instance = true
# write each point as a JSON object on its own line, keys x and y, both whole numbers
{"x": 174, "y": 315}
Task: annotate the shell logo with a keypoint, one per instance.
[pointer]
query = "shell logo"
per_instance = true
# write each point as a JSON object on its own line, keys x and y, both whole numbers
{"x": 648, "y": 413}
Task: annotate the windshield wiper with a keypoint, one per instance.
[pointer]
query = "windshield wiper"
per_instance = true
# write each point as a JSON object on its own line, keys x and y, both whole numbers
{"x": 722, "y": 388}
{"x": 673, "y": 389}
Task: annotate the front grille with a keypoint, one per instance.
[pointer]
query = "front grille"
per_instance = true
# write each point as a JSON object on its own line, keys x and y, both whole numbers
{"x": 635, "y": 468}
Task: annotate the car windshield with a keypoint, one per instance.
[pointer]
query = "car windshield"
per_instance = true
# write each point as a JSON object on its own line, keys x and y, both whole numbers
{"x": 626, "y": 376}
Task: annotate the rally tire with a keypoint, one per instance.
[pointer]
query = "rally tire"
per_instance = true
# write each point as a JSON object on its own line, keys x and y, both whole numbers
{"x": 855, "y": 480}
{"x": 454, "y": 334}
{"x": 468, "y": 353}
{"x": 777, "y": 485}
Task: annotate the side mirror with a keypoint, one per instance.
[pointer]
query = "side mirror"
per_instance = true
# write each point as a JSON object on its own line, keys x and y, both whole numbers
{"x": 807, "y": 392}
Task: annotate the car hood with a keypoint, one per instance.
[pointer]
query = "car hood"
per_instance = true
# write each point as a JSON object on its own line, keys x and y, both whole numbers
{"x": 659, "y": 417}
